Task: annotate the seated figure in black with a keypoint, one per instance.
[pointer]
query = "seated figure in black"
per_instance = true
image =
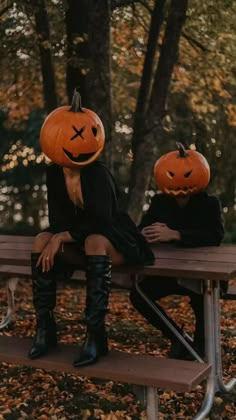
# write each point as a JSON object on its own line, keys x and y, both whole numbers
{"x": 86, "y": 227}
{"x": 183, "y": 214}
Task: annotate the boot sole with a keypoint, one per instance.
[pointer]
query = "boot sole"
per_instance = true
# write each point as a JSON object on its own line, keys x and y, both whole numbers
{"x": 42, "y": 352}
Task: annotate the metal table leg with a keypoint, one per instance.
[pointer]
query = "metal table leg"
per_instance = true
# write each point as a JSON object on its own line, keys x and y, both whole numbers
{"x": 210, "y": 350}
{"x": 212, "y": 339}
{"x": 152, "y": 404}
{"x": 148, "y": 397}
{"x": 219, "y": 375}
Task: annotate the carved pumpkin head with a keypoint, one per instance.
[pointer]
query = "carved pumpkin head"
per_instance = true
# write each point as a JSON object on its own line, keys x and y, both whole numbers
{"x": 182, "y": 172}
{"x": 72, "y": 136}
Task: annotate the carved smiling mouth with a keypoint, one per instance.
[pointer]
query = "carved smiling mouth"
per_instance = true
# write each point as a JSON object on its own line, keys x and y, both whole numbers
{"x": 180, "y": 191}
{"x": 81, "y": 158}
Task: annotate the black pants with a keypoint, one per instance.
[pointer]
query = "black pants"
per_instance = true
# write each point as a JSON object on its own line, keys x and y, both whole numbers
{"x": 156, "y": 289}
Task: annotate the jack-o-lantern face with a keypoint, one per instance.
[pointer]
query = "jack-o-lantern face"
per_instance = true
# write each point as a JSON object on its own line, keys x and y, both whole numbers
{"x": 72, "y": 136}
{"x": 181, "y": 173}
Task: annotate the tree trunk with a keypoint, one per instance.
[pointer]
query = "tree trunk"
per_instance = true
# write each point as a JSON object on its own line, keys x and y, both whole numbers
{"x": 100, "y": 67}
{"x": 148, "y": 72}
{"x": 77, "y": 69}
{"x": 48, "y": 73}
{"x": 144, "y": 157}
{"x": 88, "y": 59}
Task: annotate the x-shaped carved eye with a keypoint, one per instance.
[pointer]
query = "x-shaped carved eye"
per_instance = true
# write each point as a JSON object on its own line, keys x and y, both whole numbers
{"x": 170, "y": 174}
{"x": 188, "y": 174}
{"x": 77, "y": 133}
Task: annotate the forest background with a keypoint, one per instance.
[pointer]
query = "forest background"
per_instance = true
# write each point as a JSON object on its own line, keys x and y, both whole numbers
{"x": 156, "y": 72}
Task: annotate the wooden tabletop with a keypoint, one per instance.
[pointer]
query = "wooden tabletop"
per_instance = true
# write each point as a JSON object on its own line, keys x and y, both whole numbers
{"x": 213, "y": 263}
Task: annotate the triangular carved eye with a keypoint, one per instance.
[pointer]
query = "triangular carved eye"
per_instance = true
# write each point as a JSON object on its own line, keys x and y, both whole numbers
{"x": 94, "y": 130}
{"x": 170, "y": 174}
{"x": 187, "y": 174}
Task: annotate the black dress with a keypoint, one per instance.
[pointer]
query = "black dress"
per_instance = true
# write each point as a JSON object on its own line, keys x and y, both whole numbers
{"x": 101, "y": 212}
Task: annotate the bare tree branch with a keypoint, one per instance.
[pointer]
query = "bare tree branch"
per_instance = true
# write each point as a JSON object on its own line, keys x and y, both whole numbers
{"x": 5, "y": 5}
{"x": 122, "y": 3}
{"x": 194, "y": 42}
{"x": 197, "y": 45}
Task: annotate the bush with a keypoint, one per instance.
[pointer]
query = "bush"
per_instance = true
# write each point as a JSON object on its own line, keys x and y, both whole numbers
{"x": 19, "y": 228}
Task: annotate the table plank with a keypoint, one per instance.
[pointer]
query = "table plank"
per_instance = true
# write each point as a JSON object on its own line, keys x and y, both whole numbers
{"x": 221, "y": 249}
{"x": 20, "y": 252}
{"x": 163, "y": 267}
{"x": 25, "y": 242}
{"x": 16, "y": 246}
{"x": 195, "y": 254}
{"x": 19, "y": 256}
{"x": 192, "y": 269}
{"x": 213, "y": 263}
{"x": 16, "y": 238}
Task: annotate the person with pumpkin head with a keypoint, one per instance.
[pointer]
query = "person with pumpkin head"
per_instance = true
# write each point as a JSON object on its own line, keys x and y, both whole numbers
{"x": 86, "y": 227}
{"x": 185, "y": 215}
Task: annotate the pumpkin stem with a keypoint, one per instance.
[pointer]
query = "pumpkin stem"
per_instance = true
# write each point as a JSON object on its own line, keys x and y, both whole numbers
{"x": 182, "y": 151}
{"x": 76, "y": 102}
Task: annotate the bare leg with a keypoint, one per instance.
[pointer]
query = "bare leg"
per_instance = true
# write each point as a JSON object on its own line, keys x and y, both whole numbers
{"x": 99, "y": 245}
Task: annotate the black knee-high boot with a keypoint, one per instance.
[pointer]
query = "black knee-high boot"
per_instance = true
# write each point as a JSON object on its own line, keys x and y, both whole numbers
{"x": 98, "y": 276}
{"x": 44, "y": 301}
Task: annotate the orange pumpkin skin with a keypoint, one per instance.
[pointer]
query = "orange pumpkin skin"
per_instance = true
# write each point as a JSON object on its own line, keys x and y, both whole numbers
{"x": 72, "y": 138}
{"x": 182, "y": 172}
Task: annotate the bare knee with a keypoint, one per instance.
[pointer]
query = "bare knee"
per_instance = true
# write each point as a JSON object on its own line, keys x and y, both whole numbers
{"x": 99, "y": 245}
{"x": 41, "y": 240}
{"x": 96, "y": 245}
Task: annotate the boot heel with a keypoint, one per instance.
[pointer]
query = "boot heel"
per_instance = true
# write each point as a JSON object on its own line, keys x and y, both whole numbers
{"x": 40, "y": 347}
{"x": 104, "y": 351}
{"x": 52, "y": 342}
{"x": 45, "y": 337}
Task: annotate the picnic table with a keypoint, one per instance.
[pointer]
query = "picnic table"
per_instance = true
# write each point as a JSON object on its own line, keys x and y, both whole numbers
{"x": 206, "y": 264}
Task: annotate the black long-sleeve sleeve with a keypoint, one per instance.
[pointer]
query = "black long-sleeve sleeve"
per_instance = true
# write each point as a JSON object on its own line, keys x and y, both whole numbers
{"x": 153, "y": 214}
{"x": 212, "y": 230}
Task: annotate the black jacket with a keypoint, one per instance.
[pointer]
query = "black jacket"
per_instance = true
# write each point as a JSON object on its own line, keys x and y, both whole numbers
{"x": 199, "y": 222}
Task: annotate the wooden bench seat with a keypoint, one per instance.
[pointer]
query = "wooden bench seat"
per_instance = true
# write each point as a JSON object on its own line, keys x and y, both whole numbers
{"x": 145, "y": 370}
{"x": 22, "y": 271}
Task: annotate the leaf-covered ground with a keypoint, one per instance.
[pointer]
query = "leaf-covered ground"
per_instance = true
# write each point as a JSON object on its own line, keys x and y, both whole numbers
{"x": 27, "y": 393}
